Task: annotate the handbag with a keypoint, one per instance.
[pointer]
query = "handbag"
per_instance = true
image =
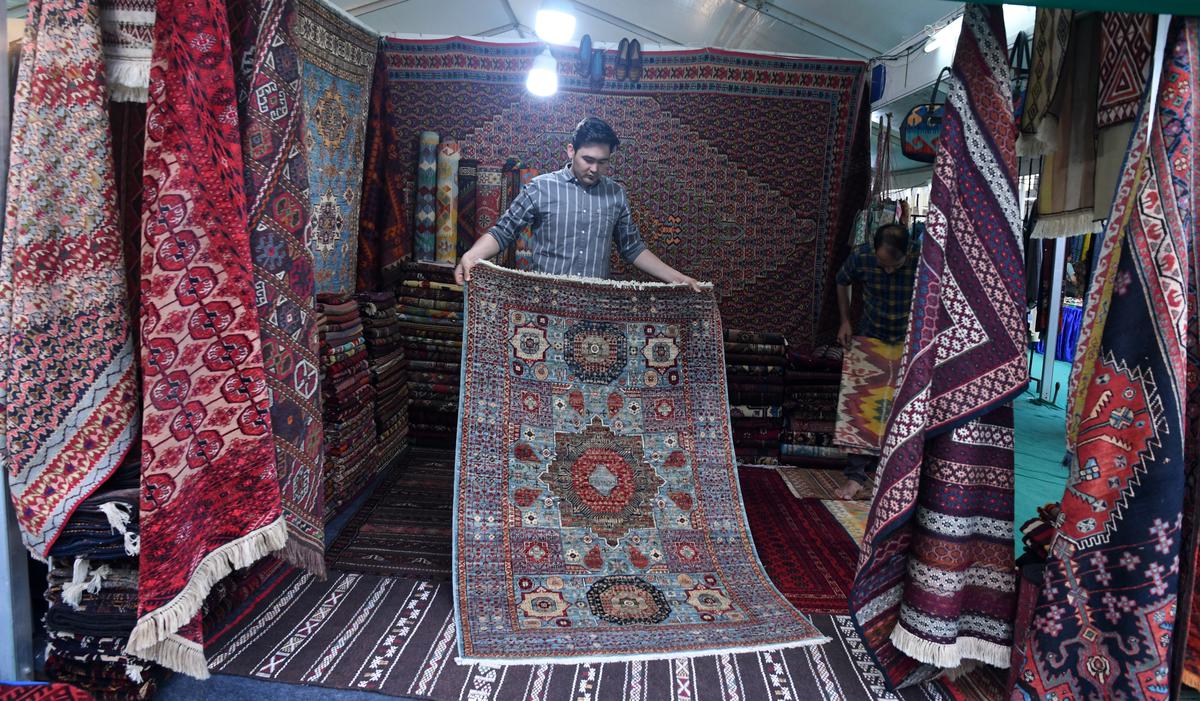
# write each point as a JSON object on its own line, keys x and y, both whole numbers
{"x": 1019, "y": 58}
{"x": 922, "y": 126}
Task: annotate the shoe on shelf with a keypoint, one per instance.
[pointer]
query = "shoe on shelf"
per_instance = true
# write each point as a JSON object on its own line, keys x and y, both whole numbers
{"x": 635, "y": 61}
{"x": 596, "y": 73}
{"x": 621, "y": 71}
{"x": 585, "y": 56}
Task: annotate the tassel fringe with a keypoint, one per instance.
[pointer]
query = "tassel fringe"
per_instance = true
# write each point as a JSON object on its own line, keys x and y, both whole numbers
{"x": 951, "y": 656}
{"x": 304, "y": 554}
{"x": 128, "y": 81}
{"x": 153, "y": 637}
{"x": 1057, "y": 226}
{"x": 72, "y": 593}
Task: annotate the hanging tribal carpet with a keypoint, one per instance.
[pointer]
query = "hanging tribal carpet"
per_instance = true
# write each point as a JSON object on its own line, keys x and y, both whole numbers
{"x": 594, "y": 418}
{"x": 1104, "y": 620}
{"x": 1126, "y": 46}
{"x": 339, "y": 60}
{"x": 210, "y": 494}
{"x": 275, "y": 167}
{"x": 936, "y": 583}
{"x": 700, "y": 196}
{"x": 68, "y": 384}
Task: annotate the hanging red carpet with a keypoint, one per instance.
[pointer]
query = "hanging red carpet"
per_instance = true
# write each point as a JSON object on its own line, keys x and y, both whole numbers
{"x": 700, "y": 195}
{"x": 1104, "y": 621}
{"x": 597, "y": 513}
{"x": 936, "y": 583}
{"x": 277, "y": 204}
{"x": 68, "y": 384}
{"x": 210, "y": 494}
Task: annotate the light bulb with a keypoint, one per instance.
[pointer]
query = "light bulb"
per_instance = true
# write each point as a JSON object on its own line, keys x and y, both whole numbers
{"x": 554, "y": 24}
{"x": 543, "y": 75}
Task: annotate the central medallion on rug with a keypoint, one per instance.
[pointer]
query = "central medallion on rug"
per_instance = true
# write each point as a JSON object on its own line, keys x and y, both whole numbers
{"x": 598, "y": 515}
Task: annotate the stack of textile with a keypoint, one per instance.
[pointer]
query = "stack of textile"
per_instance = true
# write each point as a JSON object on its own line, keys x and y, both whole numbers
{"x": 755, "y": 364}
{"x": 350, "y": 438}
{"x": 389, "y": 373}
{"x": 810, "y": 398}
{"x": 92, "y": 591}
{"x": 430, "y": 314}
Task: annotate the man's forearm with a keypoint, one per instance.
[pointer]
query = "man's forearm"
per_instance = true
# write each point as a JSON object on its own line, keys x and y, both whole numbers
{"x": 485, "y": 247}
{"x": 843, "y": 298}
{"x": 652, "y": 265}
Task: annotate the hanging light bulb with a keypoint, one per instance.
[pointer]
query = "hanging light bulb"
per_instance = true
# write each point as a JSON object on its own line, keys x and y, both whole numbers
{"x": 946, "y": 36}
{"x": 554, "y": 23}
{"x": 543, "y": 76}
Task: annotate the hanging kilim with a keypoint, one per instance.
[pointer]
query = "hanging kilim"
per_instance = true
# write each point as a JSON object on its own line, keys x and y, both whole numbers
{"x": 449, "y": 154}
{"x": 276, "y": 171}
{"x": 425, "y": 239}
{"x": 1126, "y": 45}
{"x": 127, "y": 29}
{"x": 385, "y": 238}
{"x": 487, "y": 197}
{"x": 210, "y": 493}
{"x": 1051, "y": 34}
{"x": 68, "y": 385}
{"x": 681, "y": 174}
{"x": 339, "y": 58}
{"x": 865, "y": 395}
{"x": 936, "y": 585}
{"x": 1105, "y": 615}
{"x": 468, "y": 186}
{"x": 597, "y": 511}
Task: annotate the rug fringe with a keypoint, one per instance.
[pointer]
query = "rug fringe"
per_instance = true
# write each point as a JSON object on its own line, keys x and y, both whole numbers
{"x": 619, "y": 284}
{"x": 963, "y": 650}
{"x": 154, "y": 632}
{"x": 1043, "y": 142}
{"x": 304, "y": 554}
{"x": 1057, "y": 226}
{"x": 128, "y": 81}
{"x": 646, "y": 657}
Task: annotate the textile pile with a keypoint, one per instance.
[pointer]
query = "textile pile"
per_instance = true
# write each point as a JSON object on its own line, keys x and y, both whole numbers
{"x": 389, "y": 373}
{"x": 755, "y": 365}
{"x": 810, "y": 409}
{"x": 350, "y": 432}
{"x": 430, "y": 310}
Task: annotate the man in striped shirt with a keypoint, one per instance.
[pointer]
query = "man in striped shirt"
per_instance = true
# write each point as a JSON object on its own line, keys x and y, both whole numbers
{"x": 576, "y": 214}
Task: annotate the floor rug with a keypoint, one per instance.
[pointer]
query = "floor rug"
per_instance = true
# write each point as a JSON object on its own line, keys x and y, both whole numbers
{"x": 339, "y": 60}
{"x": 1104, "y": 622}
{"x": 682, "y": 175}
{"x": 597, "y": 513}
{"x": 815, "y": 483}
{"x": 852, "y": 515}
{"x": 800, "y": 543}
{"x": 869, "y": 371}
{"x": 404, "y": 527}
{"x": 68, "y": 384}
{"x": 936, "y": 584}
{"x": 397, "y": 637}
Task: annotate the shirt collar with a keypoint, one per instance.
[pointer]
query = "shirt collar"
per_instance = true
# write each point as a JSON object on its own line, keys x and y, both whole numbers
{"x": 567, "y": 175}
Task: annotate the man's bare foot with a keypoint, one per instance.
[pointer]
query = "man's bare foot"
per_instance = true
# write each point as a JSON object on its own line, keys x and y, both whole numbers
{"x": 848, "y": 491}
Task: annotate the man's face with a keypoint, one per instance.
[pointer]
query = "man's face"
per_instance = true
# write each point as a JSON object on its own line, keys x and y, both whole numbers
{"x": 890, "y": 258}
{"x": 589, "y": 162}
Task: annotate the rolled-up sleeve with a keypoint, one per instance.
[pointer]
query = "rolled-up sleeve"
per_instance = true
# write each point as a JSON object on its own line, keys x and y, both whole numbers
{"x": 520, "y": 214}
{"x": 626, "y": 234}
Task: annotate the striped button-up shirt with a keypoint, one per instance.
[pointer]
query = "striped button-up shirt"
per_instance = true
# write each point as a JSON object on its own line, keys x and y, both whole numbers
{"x": 573, "y": 225}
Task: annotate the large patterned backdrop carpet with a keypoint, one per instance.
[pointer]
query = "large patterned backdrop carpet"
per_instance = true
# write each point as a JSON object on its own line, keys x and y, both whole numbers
{"x": 1106, "y": 615}
{"x": 595, "y": 464}
{"x": 277, "y": 208}
{"x": 208, "y": 462}
{"x": 701, "y": 196}
{"x": 68, "y": 385}
{"x": 339, "y": 60}
{"x": 936, "y": 582}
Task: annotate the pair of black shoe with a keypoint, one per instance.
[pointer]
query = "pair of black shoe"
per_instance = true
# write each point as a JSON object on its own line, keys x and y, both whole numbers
{"x": 628, "y": 66}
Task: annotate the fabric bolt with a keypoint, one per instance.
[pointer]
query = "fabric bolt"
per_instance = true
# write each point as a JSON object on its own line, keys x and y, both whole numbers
{"x": 521, "y": 253}
{"x": 127, "y": 33}
{"x": 488, "y": 184}
{"x": 1051, "y": 38}
{"x": 869, "y": 375}
{"x": 1105, "y": 614}
{"x": 935, "y": 586}
{"x": 1066, "y": 194}
{"x": 468, "y": 192}
{"x": 278, "y": 211}
{"x": 68, "y": 385}
{"x": 425, "y": 237}
{"x": 446, "y": 240}
{"x": 208, "y": 461}
{"x": 594, "y": 569}
{"x": 338, "y": 63}
{"x": 699, "y": 205}
{"x": 1126, "y": 47}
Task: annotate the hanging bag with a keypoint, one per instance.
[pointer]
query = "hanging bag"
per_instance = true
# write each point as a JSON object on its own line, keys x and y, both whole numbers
{"x": 879, "y": 209}
{"x": 921, "y": 128}
{"x": 1019, "y": 59}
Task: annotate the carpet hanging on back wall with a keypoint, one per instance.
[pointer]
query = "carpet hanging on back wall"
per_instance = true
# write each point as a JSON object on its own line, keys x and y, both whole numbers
{"x": 769, "y": 187}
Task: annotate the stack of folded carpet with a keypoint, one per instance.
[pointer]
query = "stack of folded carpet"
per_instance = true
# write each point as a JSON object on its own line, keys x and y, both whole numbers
{"x": 431, "y": 321}
{"x": 755, "y": 365}
{"x": 389, "y": 373}
{"x": 349, "y": 400}
{"x": 810, "y": 402}
{"x": 92, "y": 592}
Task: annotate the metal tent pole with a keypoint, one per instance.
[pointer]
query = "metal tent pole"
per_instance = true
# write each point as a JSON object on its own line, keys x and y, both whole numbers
{"x": 1049, "y": 391}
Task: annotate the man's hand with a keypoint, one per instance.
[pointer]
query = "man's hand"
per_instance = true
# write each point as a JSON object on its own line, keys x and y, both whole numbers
{"x": 486, "y": 247}
{"x": 845, "y": 334}
{"x": 689, "y": 281}
{"x": 462, "y": 271}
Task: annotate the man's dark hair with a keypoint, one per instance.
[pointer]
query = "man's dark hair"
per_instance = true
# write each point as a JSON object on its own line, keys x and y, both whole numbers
{"x": 593, "y": 130}
{"x": 893, "y": 236}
